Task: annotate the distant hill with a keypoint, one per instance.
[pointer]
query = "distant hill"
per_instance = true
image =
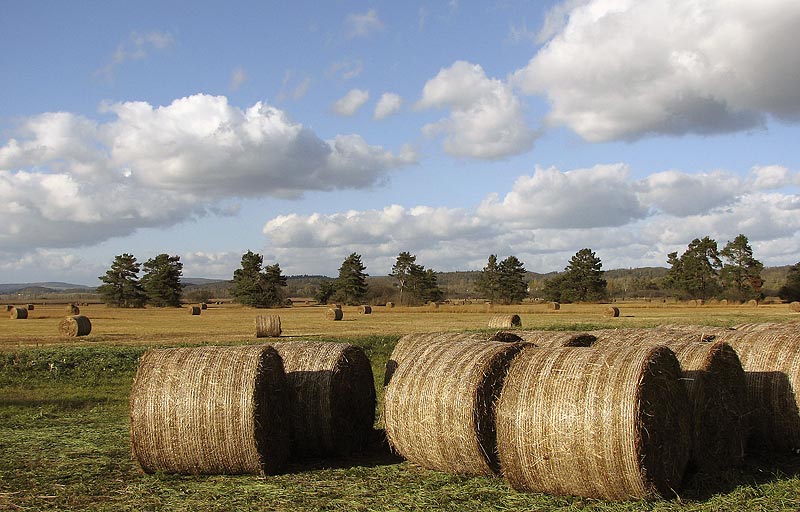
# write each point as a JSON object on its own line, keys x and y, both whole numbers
{"x": 200, "y": 281}
{"x": 48, "y": 286}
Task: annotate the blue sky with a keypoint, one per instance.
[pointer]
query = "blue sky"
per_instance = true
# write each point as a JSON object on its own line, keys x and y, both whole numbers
{"x": 453, "y": 130}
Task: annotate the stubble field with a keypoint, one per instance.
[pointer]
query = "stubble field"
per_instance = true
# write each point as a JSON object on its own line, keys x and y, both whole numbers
{"x": 64, "y": 441}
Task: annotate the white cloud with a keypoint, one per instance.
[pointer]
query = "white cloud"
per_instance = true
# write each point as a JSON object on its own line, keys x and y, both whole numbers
{"x": 346, "y": 69}
{"x": 681, "y": 194}
{"x": 773, "y": 177}
{"x": 137, "y": 47}
{"x": 486, "y": 119}
{"x": 68, "y": 181}
{"x": 219, "y": 265}
{"x": 622, "y": 69}
{"x": 349, "y": 104}
{"x": 388, "y": 105}
{"x": 363, "y": 25}
{"x": 238, "y": 77}
{"x": 293, "y": 86}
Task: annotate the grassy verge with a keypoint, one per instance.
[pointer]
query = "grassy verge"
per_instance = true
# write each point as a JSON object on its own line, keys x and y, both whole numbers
{"x": 65, "y": 446}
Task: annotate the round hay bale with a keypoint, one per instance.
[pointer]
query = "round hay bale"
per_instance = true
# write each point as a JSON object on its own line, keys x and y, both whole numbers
{"x": 505, "y": 321}
{"x": 268, "y": 326}
{"x": 30, "y": 307}
{"x": 611, "y": 312}
{"x": 390, "y": 304}
{"x": 210, "y": 410}
{"x": 203, "y": 306}
{"x": 795, "y": 306}
{"x": 194, "y": 310}
{"x": 336, "y": 306}
{"x": 73, "y": 310}
{"x": 365, "y": 310}
{"x": 723, "y": 302}
{"x": 334, "y": 396}
{"x": 752, "y": 303}
{"x": 77, "y": 325}
{"x": 551, "y": 339}
{"x": 555, "y": 306}
{"x": 334, "y": 314}
{"x": 433, "y": 305}
{"x": 410, "y": 343}
{"x": 439, "y": 405}
{"x": 611, "y": 424}
{"x": 505, "y": 337}
{"x": 18, "y": 313}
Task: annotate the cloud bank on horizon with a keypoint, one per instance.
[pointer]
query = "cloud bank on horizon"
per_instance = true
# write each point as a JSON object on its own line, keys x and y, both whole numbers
{"x": 607, "y": 71}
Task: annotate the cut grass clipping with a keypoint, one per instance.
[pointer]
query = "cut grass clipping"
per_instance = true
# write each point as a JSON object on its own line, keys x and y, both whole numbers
{"x": 210, "y": 410}
{"x": 77, "y": 325}
{"x": 333, "y": 406}
{"x": 611, "y": 424}
{"x": 439, "y": 405}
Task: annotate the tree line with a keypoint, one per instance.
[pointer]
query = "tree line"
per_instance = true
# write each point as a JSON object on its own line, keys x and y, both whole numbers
{"x": 702, "y": 271}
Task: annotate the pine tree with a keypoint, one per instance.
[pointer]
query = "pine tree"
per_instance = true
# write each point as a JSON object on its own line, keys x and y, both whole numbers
{"x": 162, "y": 280}
{"x": 274, "y": 283}
{"x": 121, "y": 287}
{"x": 402, "y": 271}
{"x": 489, "y": 281}
{"x": 791, "y": 290}
{"x": 741, "y": 272}
{"x": 511, "y": 283}
{"x": 582, "y": 280}
{"x": 696, "y": 272}
{"x": 257, "y": 287}
{"x": 351, "y": 285}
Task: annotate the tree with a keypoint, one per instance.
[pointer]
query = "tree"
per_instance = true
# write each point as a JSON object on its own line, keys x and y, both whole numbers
{"x": 121, "y": 285}
{"x": 162, "y": 280}
{"x": 741, "y": 272}
{"x": 326, "y": 290}
{"x": 257, "y": 287}
{"x": 511, "y": 283}
{"x": 696, "y": 272}
{"x": 428, "y": 286}
{"x": 582, "y": 280}
{"x": 489, "y": 281}
{"x": 791, "y": 290}
{"x": 351, "y": 285}
{"x": 402, "y": 271}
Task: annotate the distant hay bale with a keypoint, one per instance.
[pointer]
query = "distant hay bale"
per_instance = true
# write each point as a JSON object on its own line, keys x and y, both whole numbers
{"x": 611, "y": 311}
{"x": 752, "y": 303}
{"x": 19, "y": 313}
{"x": 334, "y": 314}
{"x": 551, "y": 339}
{"x": 390, "y": 304}
{"x": 336, "y": 306}
{"x": 795, "y": 306}
{"x": 268, "y": 326}
{"x": 210, "y": 410}
{"x": 30, "y": 307}
{"x": 365, "y": 310}
{"x": 77, "y": 325}
{"x": 439, "y": 405}
{"x": 505, "y": 321}
{"x": 9, "y": 307}
{"x": 334, "y": 396}
{"x": 73, "y": 310}
{"x": 611, "y": 424}
{"x": 555, "y": 306}
{"x": 194, "y": 310}
{"x": 433, "y": 305}
{"x": 203, "y": 306}
{"x": 723, "y": 302}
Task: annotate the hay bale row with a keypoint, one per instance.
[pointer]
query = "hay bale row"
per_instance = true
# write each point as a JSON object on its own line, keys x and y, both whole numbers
{"x": 611, "y": 424}
{"x": 334, "y": 396}
{"x": 268, "y": 326}
{"x": 18, "y": 313}
{"x": 334, "y": 314}
{"x": 505, "y": 321}
{"x": 76, "y": 325}
{"x": 212, "y": 410}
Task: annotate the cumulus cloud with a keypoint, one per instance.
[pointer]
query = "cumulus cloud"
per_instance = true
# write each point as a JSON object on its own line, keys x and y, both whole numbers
{"x": 622, "y": 69}
{"x": 349, "y": 104}
{"x": 138, "y": 46}
{"x": 388, "y": 105}
{"x": 363, "y": 25}
{"x": 486, "y": 119}
{"x": 68, "y": 181}
{"x": 547, "y": 216}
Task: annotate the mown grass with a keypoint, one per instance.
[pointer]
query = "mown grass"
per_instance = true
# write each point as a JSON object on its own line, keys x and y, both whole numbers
{"x": 64, "y": 445}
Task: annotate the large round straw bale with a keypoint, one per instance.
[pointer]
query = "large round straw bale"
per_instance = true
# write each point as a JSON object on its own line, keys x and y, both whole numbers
{"x": 212, "y": 410}
{"x": 795, "y": 306}
{"x": 439, "y": 405}
{"x": 611, "y": 311}
{"x": 194, "y": 310}
{"x": 334, "y": 396}
{"x": 268, "y": 326}
{"x": 611, "y": 424}
{"x": 19, "y": 313}
{"x": 77, "y": 325}
{"x": 555, "y": 306}
{"x": 552, "y": 339}
{"x": 334, "y": 314}
{"x": 365, "y": 309}
{"x": 73, "y": 309}
{"x": 505, "y": 321}
{"x": 407, "y": 345}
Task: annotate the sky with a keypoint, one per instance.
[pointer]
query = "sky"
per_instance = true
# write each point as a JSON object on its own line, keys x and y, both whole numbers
{"x": 306, "y": 131}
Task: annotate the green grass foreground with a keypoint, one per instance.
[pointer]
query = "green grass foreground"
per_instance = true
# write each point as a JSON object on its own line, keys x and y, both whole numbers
{"x": 64, "y": 445}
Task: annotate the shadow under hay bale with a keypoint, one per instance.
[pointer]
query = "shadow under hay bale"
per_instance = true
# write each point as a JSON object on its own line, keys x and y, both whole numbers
{"x": 333, "y": 406}
{"x": 210, "y": 410}
{"x": 505, "y": 321}
{"x": 334, "y": 314}
{"x": 18, "y": 313}
{"x": 194, "y": 310}
{"x": 73, "y": 310}
{"x": 73, "y": 326}
{"x": 365, "y": 310}
{"x": 610, "y": 424}
{"x": 439, "y": 405}
{"x": 551, "y": 339}
{"x": 268, "y": 326}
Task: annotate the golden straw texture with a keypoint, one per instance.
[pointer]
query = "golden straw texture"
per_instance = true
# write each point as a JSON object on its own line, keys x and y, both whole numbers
{"x": 268, "y": 326}
{"x": 213, "y": 410}
{"x": 505, "y": 321}
{"x": 610, "y": 424}
{"x": 556, "y": 338}
{"x": 77, "y": 325}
